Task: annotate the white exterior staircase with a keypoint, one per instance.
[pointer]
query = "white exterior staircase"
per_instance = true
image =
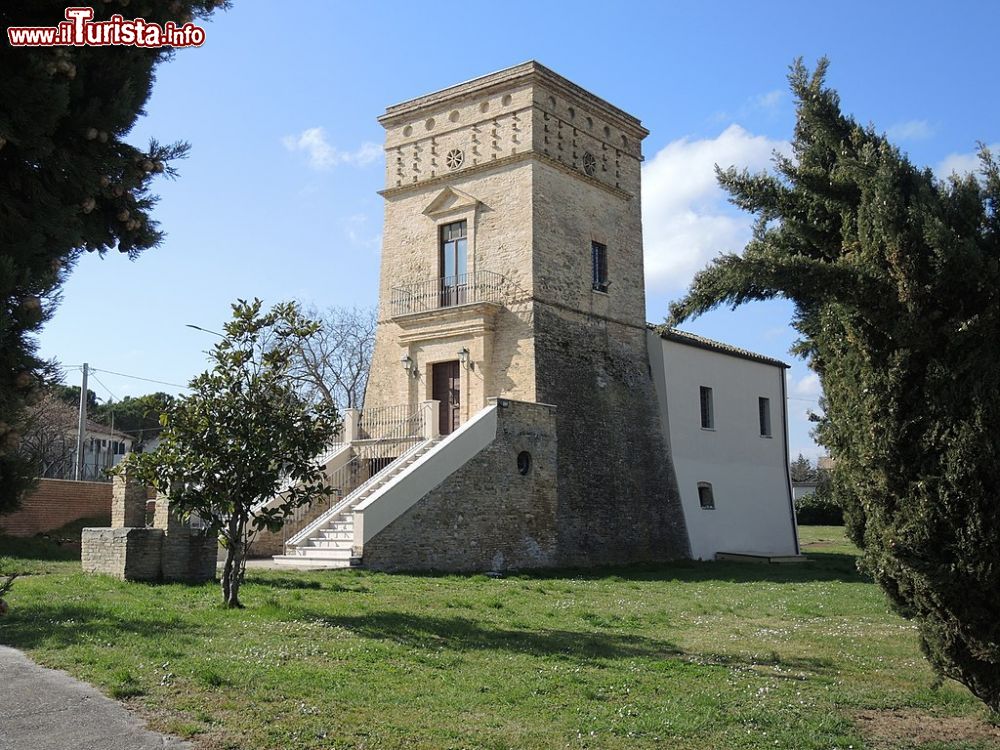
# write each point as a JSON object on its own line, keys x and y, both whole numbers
{"x": 327, "y": 542}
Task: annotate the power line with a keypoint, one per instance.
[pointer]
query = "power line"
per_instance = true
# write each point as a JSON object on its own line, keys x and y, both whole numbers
{"x": 113, "y": 396}
{"x": 137, "y": 377}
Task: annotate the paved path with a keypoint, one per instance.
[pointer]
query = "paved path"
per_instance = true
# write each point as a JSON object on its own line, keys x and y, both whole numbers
{"x": 42, "y": 709}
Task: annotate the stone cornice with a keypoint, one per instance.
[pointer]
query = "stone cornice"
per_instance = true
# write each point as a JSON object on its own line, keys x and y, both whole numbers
{"x": 526, "y": 73}
{"x": 451, "y": 177}
{"x": 447, "y": 322}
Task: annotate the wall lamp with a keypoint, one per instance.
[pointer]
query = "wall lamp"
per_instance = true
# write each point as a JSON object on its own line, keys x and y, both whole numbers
{"x": 408, "y": 365}
{"x": 463, "y": 357}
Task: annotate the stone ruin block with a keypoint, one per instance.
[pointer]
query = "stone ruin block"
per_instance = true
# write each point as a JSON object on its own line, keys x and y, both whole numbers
{"x": 170, "y": 551}
{"x": 128, "y": 501}
{"x": 127, "y": 554}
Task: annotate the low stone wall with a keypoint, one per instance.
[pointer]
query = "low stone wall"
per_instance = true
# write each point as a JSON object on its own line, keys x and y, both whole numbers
{"x": 55, "y": 503}
{"x": 134, "y": 554}
{"x": 189, "y": 555}
{"x": 131, "y": 554}
{"x": 170, "y": 551}
{"x": 487, "y": 515}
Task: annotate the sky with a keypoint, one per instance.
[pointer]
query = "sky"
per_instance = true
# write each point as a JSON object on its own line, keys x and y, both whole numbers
{"x": 278, "y": 197}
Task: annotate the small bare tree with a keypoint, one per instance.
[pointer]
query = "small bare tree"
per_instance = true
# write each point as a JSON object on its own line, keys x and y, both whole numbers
{"x": 332, "y": 366}
{"x": 48, "y": 436}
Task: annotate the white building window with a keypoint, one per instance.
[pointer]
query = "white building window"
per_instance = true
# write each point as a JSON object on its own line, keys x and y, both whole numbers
{"x": 764, "y": 408}
{"x": 705, "y": 497}
{"x": 707, "y": 412}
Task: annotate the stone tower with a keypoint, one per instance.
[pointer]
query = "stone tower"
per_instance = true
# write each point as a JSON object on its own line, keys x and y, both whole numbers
{"x": 512, "y": 267}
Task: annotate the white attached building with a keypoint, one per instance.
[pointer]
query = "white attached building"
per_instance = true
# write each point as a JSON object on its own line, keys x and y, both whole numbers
{"x": 724, "y": 418}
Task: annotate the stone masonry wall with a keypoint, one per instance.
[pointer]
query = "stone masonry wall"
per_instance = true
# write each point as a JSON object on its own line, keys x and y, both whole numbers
{"x": 618, "y": 498}
{"x": 131, "y": 554}
{"x": 486, "y": 515}
{"x": 499, "y": 241}
{"x": 171, "y": 551}
{"x": 188, "y": 555}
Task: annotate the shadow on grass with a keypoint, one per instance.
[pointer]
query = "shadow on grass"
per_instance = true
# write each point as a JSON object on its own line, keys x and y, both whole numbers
{"x": 821, "y": 566}
{"x": 811, "y": 664}
{"x": 68, "y": 625}
{"x": 459, "y": 634}
{"x": 463, "y": 634}
{"x": 40, "y": 548}
{"x": 281, "y": 582}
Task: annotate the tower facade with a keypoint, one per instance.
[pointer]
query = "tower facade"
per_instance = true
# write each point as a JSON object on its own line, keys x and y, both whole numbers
{"x": 512, "y": 267}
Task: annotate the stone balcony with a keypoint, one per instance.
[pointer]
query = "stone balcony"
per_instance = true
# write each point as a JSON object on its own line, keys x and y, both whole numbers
{"x": 480, "y": 289}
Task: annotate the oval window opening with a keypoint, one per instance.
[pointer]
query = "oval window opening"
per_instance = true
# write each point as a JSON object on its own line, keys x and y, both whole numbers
{"x": 523, "y": 462}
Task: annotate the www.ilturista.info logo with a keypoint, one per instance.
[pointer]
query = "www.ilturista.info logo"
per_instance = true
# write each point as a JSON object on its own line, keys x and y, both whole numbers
{"x": 80, "y": 30}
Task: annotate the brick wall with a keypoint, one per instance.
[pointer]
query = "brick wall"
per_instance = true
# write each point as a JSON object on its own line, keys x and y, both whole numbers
{"x": 55, "y": 503}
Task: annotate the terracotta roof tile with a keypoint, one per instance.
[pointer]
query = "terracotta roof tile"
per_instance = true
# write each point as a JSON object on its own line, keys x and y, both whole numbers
{"x": 691, "y": 339}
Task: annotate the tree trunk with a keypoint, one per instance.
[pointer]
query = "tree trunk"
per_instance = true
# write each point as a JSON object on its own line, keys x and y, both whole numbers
{"x": 227, "y": 571}
{"x": 232, "y": 572}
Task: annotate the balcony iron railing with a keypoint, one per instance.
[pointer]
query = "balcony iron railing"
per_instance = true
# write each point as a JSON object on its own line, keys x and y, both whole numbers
{"x": 449, "y": 291}
{"x": 397, "y": 422}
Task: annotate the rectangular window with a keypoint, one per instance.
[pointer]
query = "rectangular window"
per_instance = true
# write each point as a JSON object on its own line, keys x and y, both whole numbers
{"x": 454, "y": 264}
{"x": 707, "y": 413}
{"x": 705, "y": 497}
{"x": 599, "y": 260}
{"x": 764, "y": 407}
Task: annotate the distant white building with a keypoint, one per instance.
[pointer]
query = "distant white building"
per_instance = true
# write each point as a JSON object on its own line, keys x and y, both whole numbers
{"x": 803, "y": 489}
{"x": 103, "y": 448}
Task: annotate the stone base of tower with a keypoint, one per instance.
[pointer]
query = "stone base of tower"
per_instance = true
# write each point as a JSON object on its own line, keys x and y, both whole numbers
{"x": 495, "y": 511}
{"x": 618, "y": 498}
{"x": 586, "y": 482}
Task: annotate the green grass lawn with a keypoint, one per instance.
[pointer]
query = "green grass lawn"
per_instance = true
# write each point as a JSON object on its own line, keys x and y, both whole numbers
{"x": 688, "y": 655}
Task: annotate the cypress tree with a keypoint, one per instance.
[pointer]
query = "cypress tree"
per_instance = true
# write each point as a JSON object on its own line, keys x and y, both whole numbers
{"x": 70, "y": 183}
{"x": 895, "y": 276}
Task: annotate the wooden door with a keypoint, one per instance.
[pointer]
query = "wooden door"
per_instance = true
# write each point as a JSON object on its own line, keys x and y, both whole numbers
{"x": 446, "y": 388}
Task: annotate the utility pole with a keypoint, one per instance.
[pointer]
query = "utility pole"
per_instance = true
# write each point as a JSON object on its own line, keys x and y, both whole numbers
{"x": 82, "y": 424}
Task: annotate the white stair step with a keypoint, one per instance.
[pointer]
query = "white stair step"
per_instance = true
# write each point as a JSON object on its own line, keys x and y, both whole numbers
{"x": 330, "y": 544}
{"x": 323, "y": 553}
{"x": 317, "y": 543}
{"x": 306, "y": 563}
{"x": 335, "y": 534}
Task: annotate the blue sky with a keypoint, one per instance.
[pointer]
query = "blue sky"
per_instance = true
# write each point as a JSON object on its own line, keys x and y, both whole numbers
{"x": 269, "y": 206}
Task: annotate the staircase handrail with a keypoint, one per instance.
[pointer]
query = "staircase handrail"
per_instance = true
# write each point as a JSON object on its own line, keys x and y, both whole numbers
{"x": 306, "y": 531}
{"x": 287, "y": 483}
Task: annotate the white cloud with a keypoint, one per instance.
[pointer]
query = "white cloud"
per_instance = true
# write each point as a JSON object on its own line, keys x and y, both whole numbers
{"x": 356, "y": 228}
{"x": 323, "y": 155}
{"x": 770, "y": 100}
{"x": 809, "y": 386}
{"x": 767, "y": 103}
{"x": 911, "y": 130}
{"x": 686, "y": 219}
{"x": 962, "y": 163}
